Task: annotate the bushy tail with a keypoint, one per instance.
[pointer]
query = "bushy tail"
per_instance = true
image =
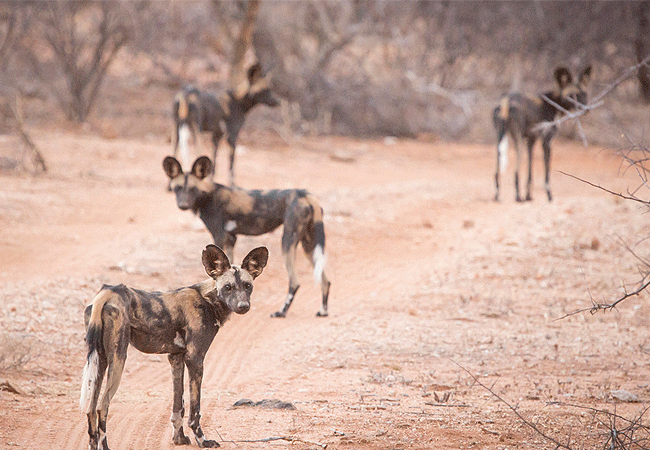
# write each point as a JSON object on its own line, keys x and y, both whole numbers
{"x": 90, "y": 378}
{"x": 500, "y": 118}
{"x": 319, "y": 235}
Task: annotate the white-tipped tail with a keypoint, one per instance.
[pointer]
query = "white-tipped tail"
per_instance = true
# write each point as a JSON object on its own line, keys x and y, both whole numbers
{"x": 319, "y": 264}
{"x": 184, "y": 146}
{"x": 502, "y": 149}
{"x": 89, "y": 381}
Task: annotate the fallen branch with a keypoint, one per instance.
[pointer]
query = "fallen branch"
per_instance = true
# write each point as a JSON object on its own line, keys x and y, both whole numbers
{"x": 514, "y": 410}
{"x": 291, "y": 439}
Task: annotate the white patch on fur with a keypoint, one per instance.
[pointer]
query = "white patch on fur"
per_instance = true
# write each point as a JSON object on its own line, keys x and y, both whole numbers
{"x": 183, "y": 145}
{"x": 179, "y": 341}
{"x": 502, "y": 151}
{"x": 319, "y": 264}
{"x": 199, "y": 440}
{"x": 102, "y": 436}
{"x": 177, "y": 422}
{"x": 89, "y": 381}
{"x": 231, "y": 225}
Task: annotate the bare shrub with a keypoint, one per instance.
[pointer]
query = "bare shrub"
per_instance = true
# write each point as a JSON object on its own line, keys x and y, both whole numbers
{"x": 78, "y": 40}
{"x": 16, "y": 350}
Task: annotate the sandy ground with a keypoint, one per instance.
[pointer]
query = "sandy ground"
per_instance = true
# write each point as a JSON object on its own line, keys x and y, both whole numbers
{"x": 434, "y": 286}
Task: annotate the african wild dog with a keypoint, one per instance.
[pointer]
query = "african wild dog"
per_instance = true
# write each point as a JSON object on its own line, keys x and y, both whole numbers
{"x": 519, "y": 115}
{"x": 180, "y": 323}
{"x": 195, "y": 111}
{"x": 228, "y": 212}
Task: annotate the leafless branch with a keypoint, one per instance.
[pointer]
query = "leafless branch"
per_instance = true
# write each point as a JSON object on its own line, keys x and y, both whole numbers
{"x": 515, "y": 410}
{"x": 37, "y": 158}
{"x": 626, "y": 197}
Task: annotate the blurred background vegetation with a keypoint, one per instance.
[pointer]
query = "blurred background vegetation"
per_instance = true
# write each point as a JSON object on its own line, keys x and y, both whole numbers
{"x": 430, "y": 70}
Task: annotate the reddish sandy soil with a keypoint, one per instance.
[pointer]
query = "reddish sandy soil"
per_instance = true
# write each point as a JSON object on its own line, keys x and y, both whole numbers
{"x": 433, "y": 284}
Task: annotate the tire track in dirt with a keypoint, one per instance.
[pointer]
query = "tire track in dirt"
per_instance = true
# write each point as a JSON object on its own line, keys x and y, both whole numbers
{"x": 229, "y": 354}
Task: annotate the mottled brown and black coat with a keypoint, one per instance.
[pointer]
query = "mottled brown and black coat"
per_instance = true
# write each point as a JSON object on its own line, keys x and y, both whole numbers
{"x": 195, "y": 111}
{"x": 520, "y": 115}
{"x": 180, "y": 323}
{"x": 228, "y": 212}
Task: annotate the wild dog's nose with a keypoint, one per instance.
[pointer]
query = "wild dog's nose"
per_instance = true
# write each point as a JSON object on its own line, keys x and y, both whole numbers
{"x": 243, "y": 307}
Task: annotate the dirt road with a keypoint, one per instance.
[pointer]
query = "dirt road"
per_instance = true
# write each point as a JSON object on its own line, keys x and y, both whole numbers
{"x": 432, "y": 284}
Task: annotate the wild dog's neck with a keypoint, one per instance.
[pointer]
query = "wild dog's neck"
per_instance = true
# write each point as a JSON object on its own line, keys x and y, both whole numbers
{"x": 207, "y": 289}
{"x": 550, "y": 110}
{"x": 244, "y": 104}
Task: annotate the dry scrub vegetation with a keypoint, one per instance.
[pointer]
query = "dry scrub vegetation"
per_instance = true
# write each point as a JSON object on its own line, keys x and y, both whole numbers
{"x": 445, "y": 330}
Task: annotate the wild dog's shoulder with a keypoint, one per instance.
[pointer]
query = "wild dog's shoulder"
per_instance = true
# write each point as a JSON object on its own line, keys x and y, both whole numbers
{"x": 205, "y": 289}
{"x": 519, "y": 100}
{"x": 235, "y": 201}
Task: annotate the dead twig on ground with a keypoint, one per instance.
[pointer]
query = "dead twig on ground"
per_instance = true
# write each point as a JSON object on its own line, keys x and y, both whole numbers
{"x": 621, "y": 433}
{"x": 290, "y": 439}
{"x": 515, "y": 410}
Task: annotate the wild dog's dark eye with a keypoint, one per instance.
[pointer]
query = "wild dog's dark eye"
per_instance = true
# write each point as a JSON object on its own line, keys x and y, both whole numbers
{"x": 248, "y": 286}
{"x": 227, "y": 288}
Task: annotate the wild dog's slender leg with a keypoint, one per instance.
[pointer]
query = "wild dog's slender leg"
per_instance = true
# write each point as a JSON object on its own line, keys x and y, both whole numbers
{"x": 530, "y": 142}
{"x": 325, "y": 289}
{"x": 217, "y": 134}
{"x": 502, "y": 147}
{"x": 178, "y": 409}
{"x": 316, "y": 256}
{"x": 93, "y": 415}
{"x": 324, "y": 282}
{"x": 546, "y": 146}
{"x": 233, "y": 132}
{"x": 116, "y": 341}
{"x": 515, "y": 142}
{"x": 195, "y": 370}
{"x": 229, "y": 245}
{"x": 289, "y": 243}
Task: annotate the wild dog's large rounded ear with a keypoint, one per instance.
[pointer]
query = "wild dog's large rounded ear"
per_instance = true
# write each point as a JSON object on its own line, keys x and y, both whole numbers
{"x": 172, "y": 167}
{"x": 585, "y": 77}
{"x": 202, "y": 167}
{"x": 215, "y": 261}
{"x": 255, "y": 261}
{"x": 563, "y": 77}
{"x": 254, "y": 72}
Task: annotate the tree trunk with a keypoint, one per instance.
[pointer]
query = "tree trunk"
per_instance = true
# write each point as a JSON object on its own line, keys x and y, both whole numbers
{"x": 642, "y": 48}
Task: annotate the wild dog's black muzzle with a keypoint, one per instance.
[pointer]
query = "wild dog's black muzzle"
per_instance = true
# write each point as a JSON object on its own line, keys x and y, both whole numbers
{"x": 242, "y": 307}
{"x": 183, "y": 201}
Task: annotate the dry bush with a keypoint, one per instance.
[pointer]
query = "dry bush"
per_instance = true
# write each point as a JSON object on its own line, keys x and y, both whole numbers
{"x": 355, "y": 67}
{"x": 16, "y": 350}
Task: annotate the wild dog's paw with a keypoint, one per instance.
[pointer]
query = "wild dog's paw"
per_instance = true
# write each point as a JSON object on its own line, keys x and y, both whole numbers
{"x": 207, "y": 443}
{"x": 321, "y": 314}
{"x": 181, "y": 439}
{"x": 278, "y": 314}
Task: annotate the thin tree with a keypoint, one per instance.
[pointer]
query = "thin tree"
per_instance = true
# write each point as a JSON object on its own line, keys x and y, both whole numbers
{"x": 82, "y": 54}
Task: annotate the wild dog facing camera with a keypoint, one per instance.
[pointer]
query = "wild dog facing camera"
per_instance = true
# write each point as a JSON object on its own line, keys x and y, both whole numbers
{"x": 181, "y": 323}
{"x": 234, "y": 286}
